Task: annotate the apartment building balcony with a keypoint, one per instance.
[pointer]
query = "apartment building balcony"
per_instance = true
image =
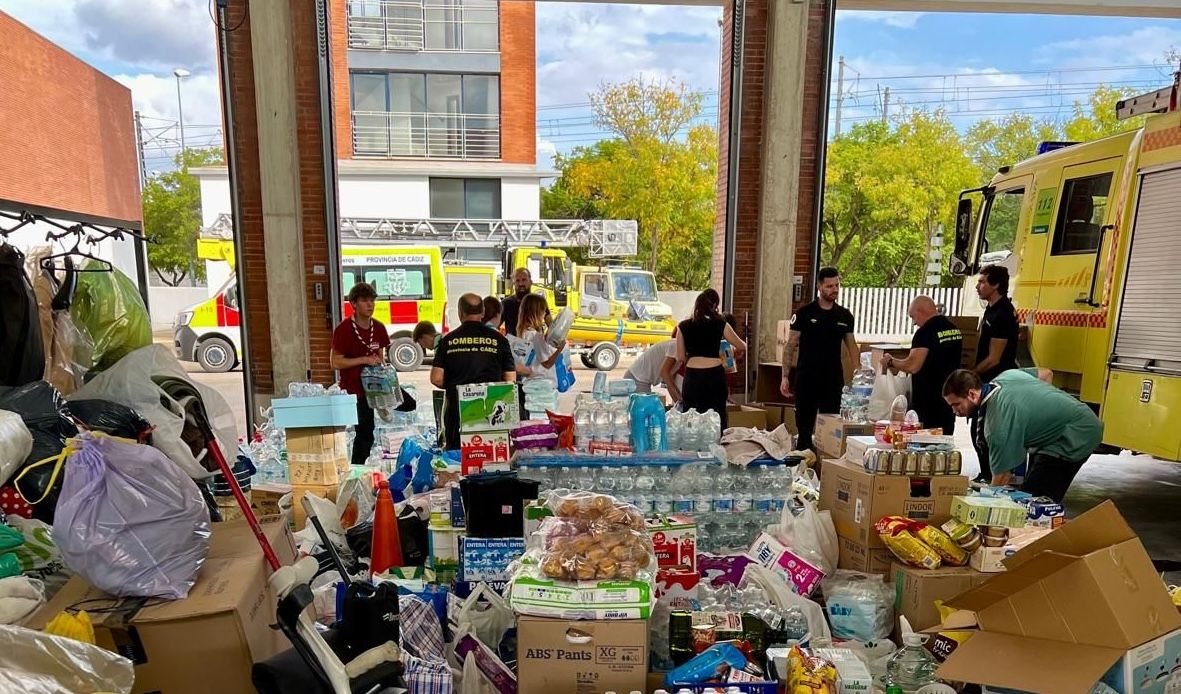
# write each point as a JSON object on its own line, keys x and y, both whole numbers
{"x": 427, "y": 135}
{"x": 469, "y": 26}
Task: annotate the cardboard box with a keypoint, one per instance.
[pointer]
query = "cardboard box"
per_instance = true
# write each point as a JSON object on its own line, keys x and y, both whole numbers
{"x": 557, "y": 656}
{"x": 856, "y": 446}
{"x": 987, "y": 510}
{"x": 321, "y": 411}
{"x": 264, "y": 498}
{"x": 853, "y": 676}
{"x": 299, "y": 517}
{"x": 987, "y": 560}
{"x": 488, "y": 407}
{"x": 1146, "y": 668}
{"x": 487, "y": 559}
{"x": 674, "y": 540}
{"x": 317, "y": 456}
{"x": 544, "y": 597}
{"x": 768, "y": 377}
{"x": 779, "y": 414}
{"x": 1069, "y": 607}
{"x": 483, "y": 451}
{"x": 208, "y": 641}
{"x": 857, "y": 499}
{"x": 746, "y": 416}
{"x": 831, "y": 431}
{"x": 858, "y": 556}
{"x": 798, "y": 572}
{"x": 916, "y": 590}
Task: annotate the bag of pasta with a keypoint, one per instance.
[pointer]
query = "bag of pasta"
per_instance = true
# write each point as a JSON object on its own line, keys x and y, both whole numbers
{"x": 948, "y": 551}
{"x": 900, "y": 535}
{"x": 809, "y": 674}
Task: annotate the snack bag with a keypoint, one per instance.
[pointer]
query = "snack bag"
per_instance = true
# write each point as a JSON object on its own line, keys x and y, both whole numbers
{"x": 899, "y": 535}
{"x": 945, "y": 642}
{"x": 809, "y": 675}
{"x": 944, "y": 546}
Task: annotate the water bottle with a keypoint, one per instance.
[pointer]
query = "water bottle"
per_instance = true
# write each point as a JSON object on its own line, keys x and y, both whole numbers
{"x": 743, "y": 491}
{"x": 781, "y": 479}
{"x": 600, "y": 386}
{"x": 702, "y": 496}
{"x": 690, "y": 430}
{"x": 585, "y": 479}
{"x": 912, "y": 666}
{"x": 764, "y": 496}
{"x": 675, "y": 430}
{"x": 607, "y": 481}
{"x": 795, "y": 624}
{"x": 712, "y": 432}
{"x": 645, "y": 484}
{"x": 682, "y": 492}
{"x": 663, "y": 498}
{"x": 566, "y": 479}
{"x": 723, "y": 501}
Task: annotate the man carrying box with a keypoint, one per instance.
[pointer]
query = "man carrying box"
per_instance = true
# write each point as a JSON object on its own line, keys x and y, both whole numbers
{"x": 1021, "y": 414}
{"x": 472, "y": 353}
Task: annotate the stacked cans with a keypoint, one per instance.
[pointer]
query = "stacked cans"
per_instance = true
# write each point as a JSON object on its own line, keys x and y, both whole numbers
{"x": 913, "y": 463}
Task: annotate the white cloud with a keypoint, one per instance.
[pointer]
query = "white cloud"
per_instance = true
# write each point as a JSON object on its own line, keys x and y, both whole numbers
{"x": 581, "y": 45}
{"x": 898, "y": 20}
{"x": 546, "y": 151}
{"x": 1148, "y": 45}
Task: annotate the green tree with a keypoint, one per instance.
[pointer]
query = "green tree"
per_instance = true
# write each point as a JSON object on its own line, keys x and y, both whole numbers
{"x": 172, "y": 217}
{"x": 889, "y": 190}
{"x": 995, "y": 143}
{"x": 1097, "y": 118}
{"x": 657, "y": 168}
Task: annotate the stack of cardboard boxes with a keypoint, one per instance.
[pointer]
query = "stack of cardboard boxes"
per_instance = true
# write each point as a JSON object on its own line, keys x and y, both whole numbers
{"x": 317, "y": 444}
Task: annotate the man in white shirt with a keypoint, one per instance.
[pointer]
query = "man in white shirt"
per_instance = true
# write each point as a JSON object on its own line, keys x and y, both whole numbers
{"x": 645, "y": 371}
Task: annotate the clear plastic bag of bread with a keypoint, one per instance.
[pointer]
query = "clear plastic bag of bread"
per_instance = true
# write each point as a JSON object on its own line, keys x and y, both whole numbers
{"x": 588, "y": 506}
{"x": 573, "y": 549}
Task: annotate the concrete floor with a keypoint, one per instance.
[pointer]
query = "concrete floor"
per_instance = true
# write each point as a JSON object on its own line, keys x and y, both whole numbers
{"x": 1143, "y": 488}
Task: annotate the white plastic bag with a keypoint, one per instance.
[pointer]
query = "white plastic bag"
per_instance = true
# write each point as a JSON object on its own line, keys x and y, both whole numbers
{"x": 779, "y": 593}
{"x": 129, "y": 521}
{"x": 19, "y": 598}
{"x": 15, "y": 444}
{"x": 33, "y": 662}
{"x": 811, "y": 535}
{"x": 860, "y": 606}
{"x": 886, "y": 387}
{"x": 486, "y": 615}
{"x": 129, "y": 382}
{"x": 38, "y": 556}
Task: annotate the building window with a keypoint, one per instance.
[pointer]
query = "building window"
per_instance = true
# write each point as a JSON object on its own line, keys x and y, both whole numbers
{"x": 465, "y": 198}
{"x": 433, "y": 25}
{"x": 426, "y": 115}
{"x": 1081, "y": 214}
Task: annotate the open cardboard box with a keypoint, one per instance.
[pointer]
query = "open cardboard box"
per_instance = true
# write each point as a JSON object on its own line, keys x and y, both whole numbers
{"x": 1067, "y": 609}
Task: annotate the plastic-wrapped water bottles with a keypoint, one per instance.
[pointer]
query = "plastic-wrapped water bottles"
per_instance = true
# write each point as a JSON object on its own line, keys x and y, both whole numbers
{"x": 599, "y": 388}
{"x": 585, "y": 479}
{"x": 662, "y": 495}
{"x": 645, "y": 486}
{"x": 690, "y": 430}
{"x": 764, "y": 494}
{"x": 723, "y": 488}
{"x": 712, "y": 431}
{"x": 674, "y": 430}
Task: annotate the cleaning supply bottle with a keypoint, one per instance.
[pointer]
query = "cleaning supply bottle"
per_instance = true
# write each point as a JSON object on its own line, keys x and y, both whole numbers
{"x": 387, "y": 543}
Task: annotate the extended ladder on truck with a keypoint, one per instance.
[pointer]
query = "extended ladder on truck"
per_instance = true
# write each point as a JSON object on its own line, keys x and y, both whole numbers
{"x": 603, "y": 238}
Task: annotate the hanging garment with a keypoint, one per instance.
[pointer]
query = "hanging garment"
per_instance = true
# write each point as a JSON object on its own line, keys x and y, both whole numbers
{"x": 22, "y": 357}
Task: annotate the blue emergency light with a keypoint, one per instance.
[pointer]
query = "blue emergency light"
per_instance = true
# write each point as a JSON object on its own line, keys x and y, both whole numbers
{"x": 1045, "y": 147}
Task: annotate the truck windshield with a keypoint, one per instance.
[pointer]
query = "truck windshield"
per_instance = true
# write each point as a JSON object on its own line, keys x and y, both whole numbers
{"x": 1000, "y": 225}
{"x": 634, "y": 286}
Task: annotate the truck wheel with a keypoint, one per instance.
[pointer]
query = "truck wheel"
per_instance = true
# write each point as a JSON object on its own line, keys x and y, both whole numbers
{"x": 605, "y": 356}
{"x": 216, "y": 355}
{"x": 405, "y": 354}
{"x": 586, "y": 360}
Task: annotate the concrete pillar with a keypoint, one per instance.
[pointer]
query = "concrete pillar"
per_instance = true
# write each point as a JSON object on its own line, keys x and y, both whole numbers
{"x": 783, "y": 115}
{"x": 279, "y": 178}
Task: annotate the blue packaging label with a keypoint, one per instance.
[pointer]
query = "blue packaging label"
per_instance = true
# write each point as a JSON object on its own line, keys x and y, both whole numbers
{"x": 723, "y": 505}
{"x": 487, "y": 559}
{"x": 764, "y": 506}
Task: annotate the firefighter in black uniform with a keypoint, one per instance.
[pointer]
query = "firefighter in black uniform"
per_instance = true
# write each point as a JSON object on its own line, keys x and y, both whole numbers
{"x": 818, "y": 332}
{"x": 996, "y": 351}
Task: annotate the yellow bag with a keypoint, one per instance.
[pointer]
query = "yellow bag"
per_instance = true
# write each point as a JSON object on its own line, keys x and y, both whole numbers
{"x": 809, "y": 674}
{"x": 944, "y": 546}
{"x": 72, "y": 626}
{"x": 945, "y": 642}
{"x": 899, "y": 535}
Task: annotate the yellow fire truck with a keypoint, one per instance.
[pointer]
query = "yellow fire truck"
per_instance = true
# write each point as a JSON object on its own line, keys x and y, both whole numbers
{"x": 1091, "y": 235}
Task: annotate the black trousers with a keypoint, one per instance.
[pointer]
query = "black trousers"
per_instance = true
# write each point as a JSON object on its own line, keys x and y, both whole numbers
{"x": 936, "y": 415}
{"x": 706, "y": 389}
{"x": 812, "y": 400}
{"x": 1050, "y": 476}
{"x": 981, "y": 445}
{"x": 363, "y": 442}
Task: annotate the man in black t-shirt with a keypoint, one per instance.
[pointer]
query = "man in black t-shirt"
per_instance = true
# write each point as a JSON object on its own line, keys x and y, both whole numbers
{"x": 818, "y": 332}
{"x": 997, "y": 349}
{"x": 472, "y": 353}
{"x": 935, "y": 352}
{"x": 511, "y": 305}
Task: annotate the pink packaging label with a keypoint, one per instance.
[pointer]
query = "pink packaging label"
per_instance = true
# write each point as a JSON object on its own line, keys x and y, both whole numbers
{"x": 802, "y": 575}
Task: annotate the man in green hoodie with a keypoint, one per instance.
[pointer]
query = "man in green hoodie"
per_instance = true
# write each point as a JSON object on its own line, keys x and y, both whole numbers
{"x": 1021, "y": 416}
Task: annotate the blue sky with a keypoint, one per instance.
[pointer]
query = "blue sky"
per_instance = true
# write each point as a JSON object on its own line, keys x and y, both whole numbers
{"x": 974, "y": 65}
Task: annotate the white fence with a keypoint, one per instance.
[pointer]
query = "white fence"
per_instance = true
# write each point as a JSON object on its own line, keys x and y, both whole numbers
{"x": 880, "y": 312}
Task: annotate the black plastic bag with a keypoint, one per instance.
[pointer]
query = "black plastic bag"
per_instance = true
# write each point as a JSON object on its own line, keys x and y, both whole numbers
{"x": 412, "y": 531}
{"x": 22, "y": 354}
{"x": 112, "y": 418}
{"x": 49, "y": 420}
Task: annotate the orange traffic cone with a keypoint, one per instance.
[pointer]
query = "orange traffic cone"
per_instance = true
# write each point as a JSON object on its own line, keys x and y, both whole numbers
{"x": 387, "y": 543}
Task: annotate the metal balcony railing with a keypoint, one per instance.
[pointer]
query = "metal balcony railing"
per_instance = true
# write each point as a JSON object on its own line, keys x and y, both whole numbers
{"x": 429, "y": 135}
{"x": 432, "y": 25}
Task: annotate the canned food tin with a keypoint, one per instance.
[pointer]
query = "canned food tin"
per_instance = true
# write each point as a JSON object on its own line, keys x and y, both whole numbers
{"x": 955, "y": 463}
{"x": 939, "y": 463}
{"x": 926, "y": 463}
{"x": 912, "y": 463}
{"x": 897, "y": 462}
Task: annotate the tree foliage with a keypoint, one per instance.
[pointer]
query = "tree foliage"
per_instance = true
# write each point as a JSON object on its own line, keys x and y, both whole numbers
{"x": 172, "y": 217}
{"x": 889, "y": 186}
{"x": 658, "y": 168}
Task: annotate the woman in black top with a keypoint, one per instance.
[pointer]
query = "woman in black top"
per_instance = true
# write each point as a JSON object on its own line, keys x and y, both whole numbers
{"x": 699, "y": 346}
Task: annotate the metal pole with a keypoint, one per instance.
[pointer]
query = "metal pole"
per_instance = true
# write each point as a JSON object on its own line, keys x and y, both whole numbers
{"x": 139, "y": 149}
{"x": 227, "y": 100}
{"x": 886, "y": 106}
{"x": 822, "y": 141}
{"x": 840, "y": 94}
{"x": 180, "y": 114}
{"x": 141, "y": 248}
{"x": 328, "y": 154}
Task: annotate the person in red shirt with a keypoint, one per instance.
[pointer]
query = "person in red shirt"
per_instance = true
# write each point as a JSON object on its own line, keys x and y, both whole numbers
{"x": 359, "y": 341}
